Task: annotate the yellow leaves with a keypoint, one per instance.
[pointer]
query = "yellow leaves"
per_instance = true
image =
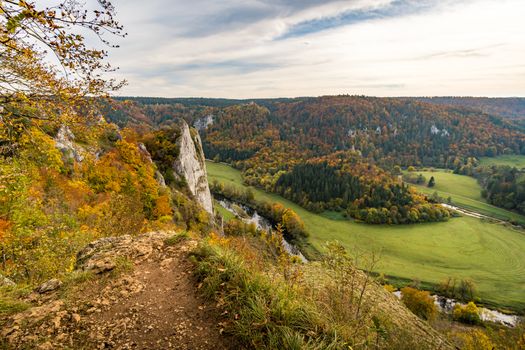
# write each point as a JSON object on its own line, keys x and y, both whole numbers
{"x": 468, "y": 313}
{"x": 216, "y": 239}
{"x": 389, "y": 288}
{"x": 162, "y": 206}
{"x": 419, "y": 302}
{"x": 40, "y": 149}
{"x": 5, "y": 227}
{"x": 129, "y": 153}
{"x": 475, "y": 339}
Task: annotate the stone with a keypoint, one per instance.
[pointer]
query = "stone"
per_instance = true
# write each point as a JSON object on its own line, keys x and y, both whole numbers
{"x": 75, "y": 317}
{"x": 64, "y": 141}
{"x": 6, "y": 282}
{"x": 203, "y": 123}
{"x": 100, "y": 265}
{"x": 46, "y": 346}
{"x": 190, "y": 166}
{"x": 49, "y": 286}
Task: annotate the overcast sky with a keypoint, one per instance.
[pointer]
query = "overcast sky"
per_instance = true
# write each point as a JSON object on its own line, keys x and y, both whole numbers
{"x": 286, "y": 48}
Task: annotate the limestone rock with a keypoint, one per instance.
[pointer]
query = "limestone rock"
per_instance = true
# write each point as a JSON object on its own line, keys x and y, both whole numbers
{"x": 203, "y": 123}
{"x": 6, "y": 282}
{"x": 64, "y": 141}
{"x": 190, "y": 166}
{"x": 101, "y": 255}
{"x": 49, "y": 286}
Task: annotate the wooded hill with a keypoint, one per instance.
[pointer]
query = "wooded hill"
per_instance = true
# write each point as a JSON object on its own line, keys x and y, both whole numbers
{"x": 272, "y": 141}
{"x": 513, "y": 108}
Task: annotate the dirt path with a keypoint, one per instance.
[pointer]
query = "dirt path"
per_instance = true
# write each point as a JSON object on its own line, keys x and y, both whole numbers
{"x": 154, "y": 306}
{"x": 164, "y": 314}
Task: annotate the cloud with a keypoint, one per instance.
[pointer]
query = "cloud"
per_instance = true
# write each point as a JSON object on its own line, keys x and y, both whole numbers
{"x": 270, "y": 48}
{"x": 393, "y": 9}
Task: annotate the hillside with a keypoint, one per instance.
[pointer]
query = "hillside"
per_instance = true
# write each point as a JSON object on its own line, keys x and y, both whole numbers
{"x": 241, "y": 288}
{"x": 513, "y": 108}
{"x": 149, "y": 300}
{"x": 388, "y": 130}
{"x": 80, "y": 275}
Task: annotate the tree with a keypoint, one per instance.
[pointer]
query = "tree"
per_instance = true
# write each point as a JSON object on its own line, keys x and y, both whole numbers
{"x": 32, "y": 90}
{"x": 431, "y": 182}
{"x": 467, "y": 314}
{"x": 419, "y": 302}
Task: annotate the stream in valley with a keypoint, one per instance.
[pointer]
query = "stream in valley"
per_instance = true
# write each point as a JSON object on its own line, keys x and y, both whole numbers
{"x": 250, "y": 215}
{"x": 444, "y": 304}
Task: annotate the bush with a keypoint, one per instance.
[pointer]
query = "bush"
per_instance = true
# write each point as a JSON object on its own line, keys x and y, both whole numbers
{"x": 389, "y": 288}
{"x": 419, "y": 302}
{"x": 467, "y": 314}
{"x": 177, "y": 238}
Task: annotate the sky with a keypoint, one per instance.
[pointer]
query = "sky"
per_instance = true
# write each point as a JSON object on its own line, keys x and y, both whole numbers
{"x": 290, "y": 48}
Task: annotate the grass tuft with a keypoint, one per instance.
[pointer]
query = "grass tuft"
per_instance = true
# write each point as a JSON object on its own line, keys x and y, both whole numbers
{"x": 177, "y": 238}
{"x": 123, "y": 264}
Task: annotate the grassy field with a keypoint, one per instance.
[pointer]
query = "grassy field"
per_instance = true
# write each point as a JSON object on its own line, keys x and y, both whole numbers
{"x": 492, "y": 255}
{"x": 465, "y": 193}
{"x": 517, "y": 161}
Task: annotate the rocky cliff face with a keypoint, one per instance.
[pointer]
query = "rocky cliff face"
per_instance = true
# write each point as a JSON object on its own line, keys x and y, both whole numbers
{"x": 65, "y": 142}
{"x": 190, "y": 165}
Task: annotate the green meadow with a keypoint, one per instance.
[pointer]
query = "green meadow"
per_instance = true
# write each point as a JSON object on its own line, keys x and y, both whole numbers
{"x": 512, "y": 160}
{"x": 465, "y": 192}
{"x": 492, "y": 255}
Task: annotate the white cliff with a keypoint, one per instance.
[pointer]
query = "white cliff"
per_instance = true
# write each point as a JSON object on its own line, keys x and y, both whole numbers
{"x": 203, "y": 123}
{"x": 190, "y": 165}
{"x": 65, "y": 142}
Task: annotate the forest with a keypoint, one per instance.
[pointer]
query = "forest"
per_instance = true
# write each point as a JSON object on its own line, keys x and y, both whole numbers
{"x": 503, "y": 186}
{"x": 338, "y": 153}
{"x": 512, "y": 107}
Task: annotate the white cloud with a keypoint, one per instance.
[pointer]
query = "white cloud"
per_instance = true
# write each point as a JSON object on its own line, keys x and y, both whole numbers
{"x": 472, "y": 48}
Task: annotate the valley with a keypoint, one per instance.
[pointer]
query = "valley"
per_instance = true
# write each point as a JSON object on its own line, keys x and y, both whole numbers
{"x": 465, "y": 193}
{"x": 512, "y": 160}
{"x": 491, "y": 255}
{"x": 296, "y": 175}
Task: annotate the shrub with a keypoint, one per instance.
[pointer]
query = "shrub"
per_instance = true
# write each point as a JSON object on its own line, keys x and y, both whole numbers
{"x": 475, "y": 340}
{"x": 467, "y": 314}
{"x": 176, "y": 238}
{"x": 419, "y": 302}
{"x": 389, "y": 288}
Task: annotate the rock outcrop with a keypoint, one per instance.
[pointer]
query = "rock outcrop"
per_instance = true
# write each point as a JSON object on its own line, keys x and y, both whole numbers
{"x": 49, "y": 286}
{"x": 190, "y": 166}
{"x": 203, "y": 123}
{"x": 64, "y": 141}
{"x": 6, "y": 282}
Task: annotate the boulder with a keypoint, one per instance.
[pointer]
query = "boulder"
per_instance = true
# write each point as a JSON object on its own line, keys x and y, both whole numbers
{"x": 49, "y": 286}
{"x": 6, "y": 282}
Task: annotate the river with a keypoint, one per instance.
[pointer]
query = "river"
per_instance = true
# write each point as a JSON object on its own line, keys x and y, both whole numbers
{"x": 446, "y": 305}
{"x": 250, "y": 215}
